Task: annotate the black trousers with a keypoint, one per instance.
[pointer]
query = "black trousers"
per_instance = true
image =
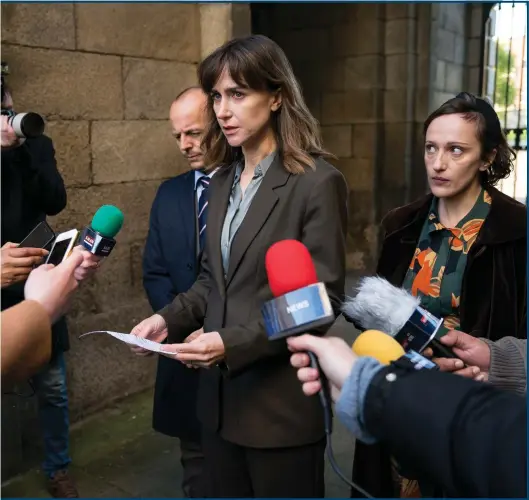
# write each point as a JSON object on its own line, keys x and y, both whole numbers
{"x": 236, "y": 471}
{"x": 192, "y": 460}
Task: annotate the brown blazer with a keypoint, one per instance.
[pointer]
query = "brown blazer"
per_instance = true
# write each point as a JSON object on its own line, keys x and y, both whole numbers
{"x": 26, "y": 341}
{"x": 493, "y": 294}
{"x": 254, "y": 398}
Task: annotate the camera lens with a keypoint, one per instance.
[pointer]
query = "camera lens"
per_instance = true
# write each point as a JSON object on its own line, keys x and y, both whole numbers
{"x": 27, "y": 124}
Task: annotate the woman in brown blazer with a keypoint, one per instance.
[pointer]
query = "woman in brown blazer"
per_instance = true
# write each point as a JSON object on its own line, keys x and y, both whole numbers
{"x": 261, "y": 436}
{"x": 461, "y": 249}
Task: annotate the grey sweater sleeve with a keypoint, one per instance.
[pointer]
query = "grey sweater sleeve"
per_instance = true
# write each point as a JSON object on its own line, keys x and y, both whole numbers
{"x": 508, "y": 364}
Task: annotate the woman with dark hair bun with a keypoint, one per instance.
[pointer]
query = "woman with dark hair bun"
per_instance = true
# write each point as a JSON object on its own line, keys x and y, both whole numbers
{"x": 261, "y": 436}
{"x": 461, "y": 249}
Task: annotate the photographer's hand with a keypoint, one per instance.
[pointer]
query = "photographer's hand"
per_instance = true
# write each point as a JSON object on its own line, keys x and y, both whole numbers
{"x": 9, "y": 138}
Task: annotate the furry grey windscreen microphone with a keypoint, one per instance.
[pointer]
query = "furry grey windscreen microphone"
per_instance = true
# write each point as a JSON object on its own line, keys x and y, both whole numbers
{"x": 378, "y": 305}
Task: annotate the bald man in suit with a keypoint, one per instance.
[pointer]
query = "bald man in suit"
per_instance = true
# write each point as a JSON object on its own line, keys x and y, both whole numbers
{"x": 170, "y": 266}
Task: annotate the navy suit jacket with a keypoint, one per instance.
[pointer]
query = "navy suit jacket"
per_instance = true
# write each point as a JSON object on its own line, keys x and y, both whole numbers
{"x": 170, "y": 267}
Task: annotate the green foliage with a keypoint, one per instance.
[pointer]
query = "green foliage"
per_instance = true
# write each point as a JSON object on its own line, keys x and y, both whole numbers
{"x": 505, "y": 91}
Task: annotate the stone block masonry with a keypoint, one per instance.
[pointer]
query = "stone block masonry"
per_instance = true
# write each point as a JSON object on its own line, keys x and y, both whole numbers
{"x": 104, "y": 77}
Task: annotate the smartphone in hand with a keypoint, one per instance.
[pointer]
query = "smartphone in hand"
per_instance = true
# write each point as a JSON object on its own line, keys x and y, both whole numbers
{"x": 39, "y": 237}
{"x": 62, "y": 247}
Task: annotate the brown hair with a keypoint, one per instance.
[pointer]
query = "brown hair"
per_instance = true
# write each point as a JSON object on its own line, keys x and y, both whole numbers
{"x": 489, "y": 133}
{"x": 258, "y": 63}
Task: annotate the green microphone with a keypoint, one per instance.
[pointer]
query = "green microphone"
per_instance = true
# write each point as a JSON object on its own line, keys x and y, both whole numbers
{"x": 98, "y": 238}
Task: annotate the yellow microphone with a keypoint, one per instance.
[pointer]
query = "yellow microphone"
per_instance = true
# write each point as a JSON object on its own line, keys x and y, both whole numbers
{"x": 378, "y": 345}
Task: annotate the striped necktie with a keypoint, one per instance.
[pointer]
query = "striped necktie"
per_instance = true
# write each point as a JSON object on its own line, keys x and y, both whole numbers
{"x": 202, "y": 211}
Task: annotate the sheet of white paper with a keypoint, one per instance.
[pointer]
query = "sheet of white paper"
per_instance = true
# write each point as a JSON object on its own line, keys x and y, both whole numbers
{"x": 130, "y": 339}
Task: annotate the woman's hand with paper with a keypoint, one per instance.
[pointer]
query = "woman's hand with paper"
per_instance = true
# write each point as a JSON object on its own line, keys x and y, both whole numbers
{"x": 153, "y": 328}
{"x": 200, "y": 349}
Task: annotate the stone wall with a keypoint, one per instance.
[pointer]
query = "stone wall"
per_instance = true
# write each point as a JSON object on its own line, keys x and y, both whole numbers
{"x": 335, "y": 51}
{"x": 456, "y": 30}
{"x": 371, "y": 73}
{"x": 475, "y": 29}
{"x": 407, "y": 81}
{"x": 104, "y": 76}
{"x": 351, "y": 60}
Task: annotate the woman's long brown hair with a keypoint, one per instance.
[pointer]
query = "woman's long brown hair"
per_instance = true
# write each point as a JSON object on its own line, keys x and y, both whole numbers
{"x": 258, "y": 63}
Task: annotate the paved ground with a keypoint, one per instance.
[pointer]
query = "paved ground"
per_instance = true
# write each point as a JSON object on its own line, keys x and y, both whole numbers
{"x": 116, "y": 454}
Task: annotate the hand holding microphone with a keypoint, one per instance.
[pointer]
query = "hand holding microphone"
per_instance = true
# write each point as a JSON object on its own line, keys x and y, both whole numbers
{"x": 97, "y": 240}
{"x": 302, "y": 304}
{"x": 336, "y": 359}
{"x": 379, "y": 305}
{"x": 89, "y": 264}
{"x": 470, "y": 350}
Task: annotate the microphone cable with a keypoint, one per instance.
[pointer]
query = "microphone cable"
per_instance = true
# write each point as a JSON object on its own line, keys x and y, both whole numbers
{"x": 327, "y": 417}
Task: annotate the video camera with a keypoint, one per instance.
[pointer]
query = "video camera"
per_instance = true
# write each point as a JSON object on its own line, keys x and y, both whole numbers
{"x": 24, "y": 124}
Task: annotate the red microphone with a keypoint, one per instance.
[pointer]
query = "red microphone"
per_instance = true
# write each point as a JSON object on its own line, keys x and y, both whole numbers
{"x": 289, "y": 267}
{"x": 301, "y": 302}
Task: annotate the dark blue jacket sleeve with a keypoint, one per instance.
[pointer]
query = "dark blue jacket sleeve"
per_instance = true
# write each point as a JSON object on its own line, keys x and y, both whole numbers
{"x": 466, "y": 437}
{"x": 156, "y": 279}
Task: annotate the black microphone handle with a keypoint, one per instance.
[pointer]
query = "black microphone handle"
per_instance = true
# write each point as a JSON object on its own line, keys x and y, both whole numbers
{"x": 440, "y": 350}
{"x": 324, "y": 394}
{"x": 325, "y": 398}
